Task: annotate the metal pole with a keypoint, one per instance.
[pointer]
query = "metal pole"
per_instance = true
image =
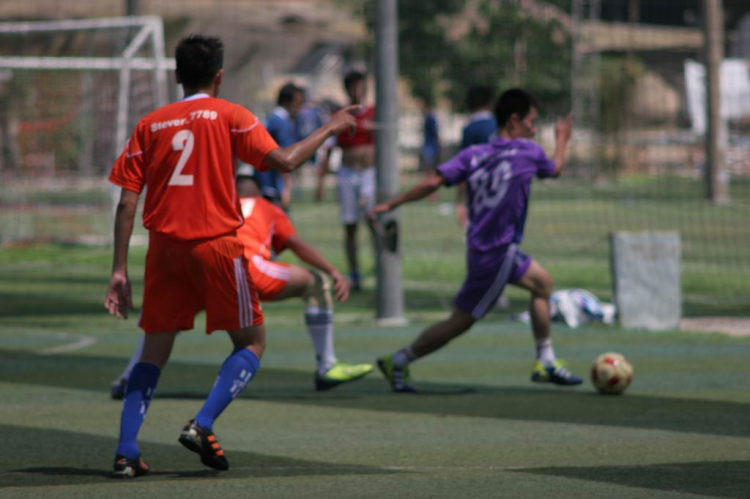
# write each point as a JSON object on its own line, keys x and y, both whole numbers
{"x": 390, "y": 296}
{"x": 716, "y": 176}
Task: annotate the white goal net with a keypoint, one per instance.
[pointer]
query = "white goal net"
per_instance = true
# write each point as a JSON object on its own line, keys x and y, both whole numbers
{"x": 70, "y": 93}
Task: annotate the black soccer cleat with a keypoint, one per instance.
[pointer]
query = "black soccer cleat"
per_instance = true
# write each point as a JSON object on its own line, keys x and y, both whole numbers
{"x": 204, "y": 443}
{"x": 125, "y": 467}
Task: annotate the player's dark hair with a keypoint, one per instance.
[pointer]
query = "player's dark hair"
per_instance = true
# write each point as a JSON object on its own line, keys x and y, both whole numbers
{"x": 479, "y": 97}
{"x": 353, "y": 77}
{"x": 514, "y": 101}
{"x": 253, "y": 178}
{"x": 198, "y": 59}
{"x": 287, "y": 93}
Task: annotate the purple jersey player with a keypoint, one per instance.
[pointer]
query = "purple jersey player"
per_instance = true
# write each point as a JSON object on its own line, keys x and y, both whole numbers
{"x": 498, "y": 176}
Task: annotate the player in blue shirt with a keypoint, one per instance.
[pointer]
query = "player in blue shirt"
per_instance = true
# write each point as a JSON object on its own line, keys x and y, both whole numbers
{"x": 280, "y": 124}
{"x": 429, "y": 156}
{"x": 479, "y": 130}
{"x": 482, "y": 125}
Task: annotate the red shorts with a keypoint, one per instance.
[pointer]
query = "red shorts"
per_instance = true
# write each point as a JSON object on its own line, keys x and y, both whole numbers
{"x": 183, "y": 278}
{"x": 269, "y": 277}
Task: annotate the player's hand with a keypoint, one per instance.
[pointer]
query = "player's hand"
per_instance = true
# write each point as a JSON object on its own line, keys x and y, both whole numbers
{"x": 377, "y": 210}
{"x": 340, "y": 286}
{"x": 564, "y": 128}
{"x": 344, "y": 120}
{"x": 119, "y": 299}
{"x": 462, "y": 215}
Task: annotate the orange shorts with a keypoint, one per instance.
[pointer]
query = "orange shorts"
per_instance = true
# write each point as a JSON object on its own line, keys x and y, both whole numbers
{"x": 183, "y": 278}
{"x": 270, "y": 277}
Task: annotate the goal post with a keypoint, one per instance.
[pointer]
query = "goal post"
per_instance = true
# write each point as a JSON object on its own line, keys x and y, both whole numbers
{"x": 74, "y": 89}
{"x": 150, "y": 30}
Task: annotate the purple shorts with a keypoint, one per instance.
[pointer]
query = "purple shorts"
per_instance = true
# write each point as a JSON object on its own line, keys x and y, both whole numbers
{"x": 487, "y": 275}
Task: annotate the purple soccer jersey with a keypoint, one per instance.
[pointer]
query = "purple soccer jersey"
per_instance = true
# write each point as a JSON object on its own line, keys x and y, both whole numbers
{"x": 498, "y": 179}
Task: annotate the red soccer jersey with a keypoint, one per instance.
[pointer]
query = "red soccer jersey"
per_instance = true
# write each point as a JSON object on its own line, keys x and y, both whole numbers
{"x": 363, "y": 134}
{"x": 184, "y": 152}
{"x": 266, "y": 226}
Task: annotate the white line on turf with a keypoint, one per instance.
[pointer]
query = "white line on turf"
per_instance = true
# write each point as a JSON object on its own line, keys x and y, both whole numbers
{"x": 84, "y": 342}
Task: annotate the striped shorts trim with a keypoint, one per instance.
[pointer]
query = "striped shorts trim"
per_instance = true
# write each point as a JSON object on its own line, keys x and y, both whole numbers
{"x": 244, "y": 300}
{"x": 497, "y": 286}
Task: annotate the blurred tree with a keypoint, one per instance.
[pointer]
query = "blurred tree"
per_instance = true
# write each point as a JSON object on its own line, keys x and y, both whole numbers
{"x": 446, "y": 46}
{"x": 618, "y": 76}
{"x": 507, "y": 46}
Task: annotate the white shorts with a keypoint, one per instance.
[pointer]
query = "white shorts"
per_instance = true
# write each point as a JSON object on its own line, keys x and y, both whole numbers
{"x": 356, "y": 192}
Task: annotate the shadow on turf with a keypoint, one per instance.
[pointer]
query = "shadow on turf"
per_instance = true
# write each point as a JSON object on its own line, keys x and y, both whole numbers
{"x": 715, "y": 479}
{"x": 532, "y": 403}
{"x": 54, "y": 452}
{"x": 35, "y": 305}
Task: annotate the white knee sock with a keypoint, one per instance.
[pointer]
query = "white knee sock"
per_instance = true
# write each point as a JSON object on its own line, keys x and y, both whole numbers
{"x": 320, "y": 326}
{"x": 544, "y": 351}
{"x": 134, "y": 359}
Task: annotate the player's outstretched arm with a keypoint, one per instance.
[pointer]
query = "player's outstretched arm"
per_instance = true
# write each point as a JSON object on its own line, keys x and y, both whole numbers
{"x": 308, "y": 254}
{"x": 563, "y": 132}
{"x": 119, "y": 298}
{"x": 286, "y": 159}
{"x": 423, "y": 189}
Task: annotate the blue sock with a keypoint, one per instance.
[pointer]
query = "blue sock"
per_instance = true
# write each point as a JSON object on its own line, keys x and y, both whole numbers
{"x": 140, "y": 389}
{"x": 235, "y": 374}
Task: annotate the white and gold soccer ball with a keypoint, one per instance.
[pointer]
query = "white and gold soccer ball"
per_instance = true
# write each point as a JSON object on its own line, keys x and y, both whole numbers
{"x": 611, "y": 373}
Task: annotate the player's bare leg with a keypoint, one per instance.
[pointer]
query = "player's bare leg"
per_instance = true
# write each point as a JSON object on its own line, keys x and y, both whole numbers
{"x": 252, "y": 338}
{"x": 547, "y": 368}
{"x": 539, "y": 282}
{"x": 350, "y": 247}
{"x": 441, "y": 333}
{"x": 157, "y": 347}
{"x": 395, "y": 367}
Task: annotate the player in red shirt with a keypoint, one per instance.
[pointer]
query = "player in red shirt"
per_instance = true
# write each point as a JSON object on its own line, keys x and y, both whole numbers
{"x": 268, "y": 227}
{"x": 356, "y": 175}
{"x": 184, "y": 153}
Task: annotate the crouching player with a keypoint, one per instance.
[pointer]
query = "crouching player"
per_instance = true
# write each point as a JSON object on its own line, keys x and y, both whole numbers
{"x": 498, "y": 178}
{"x": 268, "y": 227}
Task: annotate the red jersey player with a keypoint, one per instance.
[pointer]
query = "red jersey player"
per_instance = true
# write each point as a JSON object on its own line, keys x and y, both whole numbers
{"x": 356, "y": 175}
{"x": 268, "y": 227}
{"x": 183, "y": 153}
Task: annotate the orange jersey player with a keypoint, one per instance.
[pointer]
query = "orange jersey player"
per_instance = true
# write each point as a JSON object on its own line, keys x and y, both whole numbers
{"x": 267, "y": 227}
{"x": 184, "y": 153}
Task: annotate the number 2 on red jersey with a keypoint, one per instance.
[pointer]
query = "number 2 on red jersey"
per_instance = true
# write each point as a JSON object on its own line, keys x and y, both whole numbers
{"x": 184, "y": 141}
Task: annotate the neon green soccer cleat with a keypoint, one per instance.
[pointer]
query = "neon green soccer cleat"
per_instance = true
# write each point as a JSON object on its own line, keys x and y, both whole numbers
{"x": 555, "y": 373}
{"x": 399, "y": 379}
{"x": 341, "y": 373}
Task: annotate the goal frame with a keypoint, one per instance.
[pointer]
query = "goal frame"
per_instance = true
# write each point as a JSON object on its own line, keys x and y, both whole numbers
{"x": 151, "y": 31}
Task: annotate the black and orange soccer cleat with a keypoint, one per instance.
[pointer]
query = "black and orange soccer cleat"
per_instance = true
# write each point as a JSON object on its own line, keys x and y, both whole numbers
{"x": 204, "y": 443}
{"x": 129, "y": 468}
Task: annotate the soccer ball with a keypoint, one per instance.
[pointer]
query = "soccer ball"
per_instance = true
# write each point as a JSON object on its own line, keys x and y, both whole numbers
{"x": 611, "y": 373}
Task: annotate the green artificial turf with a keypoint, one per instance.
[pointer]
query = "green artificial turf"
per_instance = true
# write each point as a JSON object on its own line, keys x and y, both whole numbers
{"x": 481, "y": 429}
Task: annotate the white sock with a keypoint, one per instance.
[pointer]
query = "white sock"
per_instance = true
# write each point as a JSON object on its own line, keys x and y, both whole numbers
{"x": 320, "y": 326}
{"x": 544, "y": 351}
{"x": 403, "y": 357}
{"x": 134, "y": 359}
